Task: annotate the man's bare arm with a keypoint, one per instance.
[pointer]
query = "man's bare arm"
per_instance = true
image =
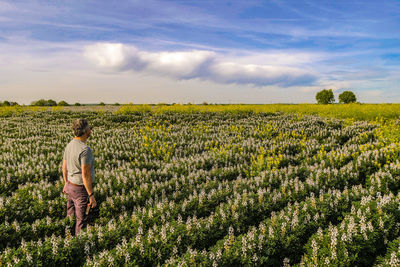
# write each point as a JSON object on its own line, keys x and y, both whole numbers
{"x": 87, "y": 178}
{"x": 87, "y": 181}
{"x": 65, "y": 171}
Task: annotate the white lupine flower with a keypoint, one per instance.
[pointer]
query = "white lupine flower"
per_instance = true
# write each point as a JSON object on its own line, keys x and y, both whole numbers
{"x": 163, "y": 234}
{"x": 212, "y": 256}
{"x": 127, "y": 258}
{"x": 218, "y": 254}
{"x": 381, "y": 224}
{"x": 16, "y": 260}
{"x": 344, "y": 237}
{"x": 319, "y": 232}
{"x": 394, "y": 261}
{"x": 270, "y": 231}
{"x": 327, "y": 261}
{"x": 54, "y": 245}
{"x": 286, "y": 262}
{"x": 29, "y": 258}
{"x": 314, "y": 247}
{"x": 316, "y": 217}
{"x": 295, "y": 221}
{"x": 244, "y": 245}
{"x": 87, "y": 249}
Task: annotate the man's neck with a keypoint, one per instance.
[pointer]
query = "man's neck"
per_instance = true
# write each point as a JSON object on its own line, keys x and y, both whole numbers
{"x": 81, "y": 138}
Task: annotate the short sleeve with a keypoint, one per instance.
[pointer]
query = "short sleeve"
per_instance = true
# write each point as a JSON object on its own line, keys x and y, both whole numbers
{"x": 86, "y": 156}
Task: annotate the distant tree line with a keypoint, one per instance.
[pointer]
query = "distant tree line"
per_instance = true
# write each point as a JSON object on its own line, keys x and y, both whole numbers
{"x": 8, "y": 104}
{"x": 326, "y": 97}
{"x": 51, "y": 103}
{"x": 44, "y": 103}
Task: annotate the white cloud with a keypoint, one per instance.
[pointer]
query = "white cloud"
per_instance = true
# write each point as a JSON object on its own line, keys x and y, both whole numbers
{"x": 107, "y": 55}
{"x": 182, "y": 65}
{"x": 229, "y": 72}
{"x": 282, "y": 58}
{"x": 202, "y": 64}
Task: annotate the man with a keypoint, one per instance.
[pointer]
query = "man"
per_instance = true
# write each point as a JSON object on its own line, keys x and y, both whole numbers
{"x": 78, "y": 173}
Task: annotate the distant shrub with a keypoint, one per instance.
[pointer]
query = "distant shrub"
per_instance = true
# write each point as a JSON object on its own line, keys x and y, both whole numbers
{"x": 8, "y": 104}
{"x": 347, "y": 97}
{"x": 102, "y": 104}
{"x": 77, "y": 104}
{"x": 62, "y": 103}
{"x": 51, "y": 102}
{"x": 44, "y": 103}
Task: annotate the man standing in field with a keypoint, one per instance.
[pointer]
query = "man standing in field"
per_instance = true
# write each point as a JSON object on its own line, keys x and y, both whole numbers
{"x": 78, "y": 173}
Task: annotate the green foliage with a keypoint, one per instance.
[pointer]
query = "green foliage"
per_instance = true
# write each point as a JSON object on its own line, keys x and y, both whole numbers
{"x": 102, "y": 104}
{"x": 325, "y": 96}
{"x": 77, "y": 104}
{"x": 44, "y": 103}
{"x": 62, "y": 103}
{"x": 347, "y": 97}
{"x": 8, "y": 104}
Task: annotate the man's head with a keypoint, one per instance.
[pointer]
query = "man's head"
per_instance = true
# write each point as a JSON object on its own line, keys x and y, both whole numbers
{"x": 81, "y": 128}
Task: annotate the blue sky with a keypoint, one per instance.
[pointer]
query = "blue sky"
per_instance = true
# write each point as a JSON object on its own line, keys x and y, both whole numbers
{"x": 193, "y": 51}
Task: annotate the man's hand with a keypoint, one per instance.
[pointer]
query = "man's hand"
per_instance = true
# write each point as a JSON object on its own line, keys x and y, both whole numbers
{"x": 92, "y": 201}
{"x": 65, "y": 186}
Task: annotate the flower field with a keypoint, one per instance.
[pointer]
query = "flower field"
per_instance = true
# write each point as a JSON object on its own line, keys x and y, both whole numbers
{"x": 203, "y": 189}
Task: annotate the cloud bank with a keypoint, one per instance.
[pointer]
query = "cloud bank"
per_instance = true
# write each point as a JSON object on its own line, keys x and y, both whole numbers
{"x": 200, "y": 64}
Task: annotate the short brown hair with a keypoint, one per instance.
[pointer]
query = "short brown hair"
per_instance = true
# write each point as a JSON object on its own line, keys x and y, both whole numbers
{"x": 79, "y": 127}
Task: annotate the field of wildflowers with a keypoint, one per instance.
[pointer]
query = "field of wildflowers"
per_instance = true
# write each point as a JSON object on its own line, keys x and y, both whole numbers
{"x": 212, "y": 186}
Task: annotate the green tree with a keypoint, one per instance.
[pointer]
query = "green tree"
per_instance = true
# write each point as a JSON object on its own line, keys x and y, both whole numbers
{"x": 325, "y": 96}
{"x": 38, "y": 102}
{"x": 6, "y": 104}
{"x": 102, "y": 104}
{"x": 43, "y": 103}
{"x": 347, "y": 97}
{"x": 51, "y": 102}
{"x": 62, "y": 103}
{"x": 77, "y": 104}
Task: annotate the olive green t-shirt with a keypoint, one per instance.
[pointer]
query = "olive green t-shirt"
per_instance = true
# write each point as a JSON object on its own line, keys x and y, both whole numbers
{"x": 77, "y": 153}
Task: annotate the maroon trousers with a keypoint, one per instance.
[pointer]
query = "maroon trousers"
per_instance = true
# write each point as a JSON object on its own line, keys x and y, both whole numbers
{"x": 78, "y": 199}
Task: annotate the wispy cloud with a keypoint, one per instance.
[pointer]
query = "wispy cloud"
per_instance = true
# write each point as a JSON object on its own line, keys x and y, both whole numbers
{"x": 193, "y": 64}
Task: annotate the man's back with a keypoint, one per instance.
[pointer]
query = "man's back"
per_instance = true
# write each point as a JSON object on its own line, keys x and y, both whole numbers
{"x": 76, "y": 154}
